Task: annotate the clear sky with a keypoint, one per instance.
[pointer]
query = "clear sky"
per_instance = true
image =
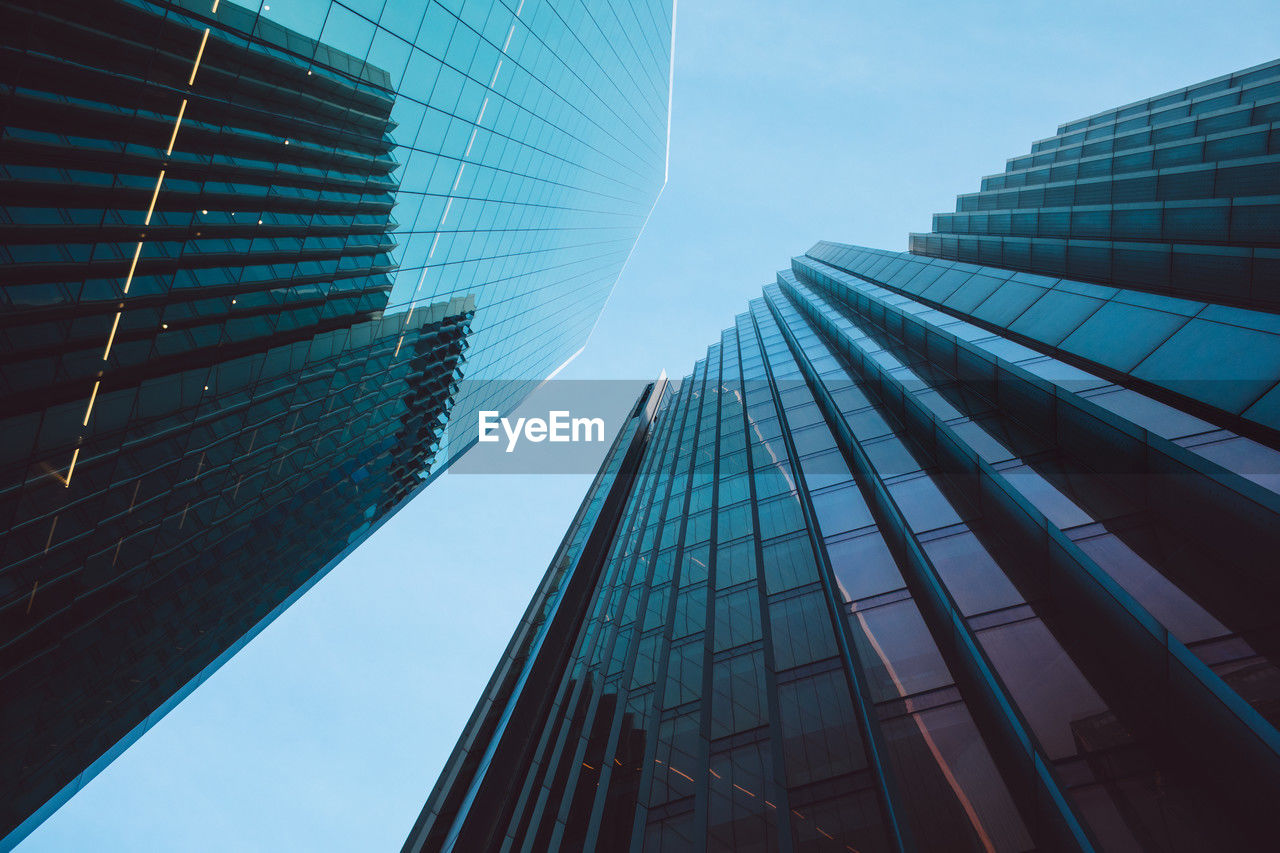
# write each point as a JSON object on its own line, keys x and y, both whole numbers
{"x": 792, "y": 122}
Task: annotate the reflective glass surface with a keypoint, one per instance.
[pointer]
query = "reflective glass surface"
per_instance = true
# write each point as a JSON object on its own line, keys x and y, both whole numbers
{"x": 249, "y": 252}
{"x": 1173, "y": 194}
{"x": 929, "y": 586}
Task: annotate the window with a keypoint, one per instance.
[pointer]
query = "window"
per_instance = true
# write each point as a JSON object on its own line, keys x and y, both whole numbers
{"x": 863, "y": 566}
{"x": 975, "y": 581}
{"x": 840, "y": 510}
{"x": 801, "y": 630}
{"x": 779, "y": 516}
{"x": 735, "y": 563}
{"x": 897, "y": 651}
{"x": 788, "y": 563}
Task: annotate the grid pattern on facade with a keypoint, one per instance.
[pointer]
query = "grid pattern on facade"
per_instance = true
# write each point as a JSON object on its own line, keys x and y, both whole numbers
{"x": 880, "y": 584}
{"x": 194, "y": 519}
{"x": 246, "y": 250}
{"x": 531, "y": 137}
{"x": 933, "y": 555}
{"x": 1218, "y": 361}
{"x": 1176, "y": 194}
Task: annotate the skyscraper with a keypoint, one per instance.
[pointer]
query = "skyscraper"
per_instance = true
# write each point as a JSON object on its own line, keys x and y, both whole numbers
{"x": 248, "y": 256}
{"x": 926, "y": 555}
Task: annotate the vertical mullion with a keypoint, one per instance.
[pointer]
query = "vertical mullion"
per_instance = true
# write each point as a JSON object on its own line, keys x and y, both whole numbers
{"x": 702, "y": 803}
{"x": 660, "y": 676}
{"x": 586, "y": 643}
{"x": 897, "y": 829}
{"x": 672, "y": 441}
{"x": 780, "y": 795}
{"x": 610, "y": 637}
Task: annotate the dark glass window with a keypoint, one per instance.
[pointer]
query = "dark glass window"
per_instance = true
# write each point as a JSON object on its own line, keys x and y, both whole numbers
{"x": 863, "y": 566}
{"x": 840, "y": 510}
{"x": 897, "y": 651}
{"x": 788, "y": 563}
{"x": 975, "y": 581}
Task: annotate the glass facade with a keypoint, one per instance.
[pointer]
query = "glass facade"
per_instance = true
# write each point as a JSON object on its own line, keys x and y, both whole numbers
{"x": 1175, "y": 194}
{"x": 249, "y": 254}
{"x": 923, "y": 555}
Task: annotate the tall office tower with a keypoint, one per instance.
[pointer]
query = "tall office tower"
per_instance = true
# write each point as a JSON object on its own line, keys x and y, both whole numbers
{"x": 921, "y": 556}
{"x": 248, "y": 256}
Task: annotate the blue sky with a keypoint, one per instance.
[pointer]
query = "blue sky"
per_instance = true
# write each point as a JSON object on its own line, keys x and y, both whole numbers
{"x": 792, "y": 122}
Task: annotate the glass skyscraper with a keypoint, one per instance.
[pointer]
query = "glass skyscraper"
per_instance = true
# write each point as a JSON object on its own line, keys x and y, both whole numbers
{"x": 931, "y": 555}
{"x": 248, "y": 255}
